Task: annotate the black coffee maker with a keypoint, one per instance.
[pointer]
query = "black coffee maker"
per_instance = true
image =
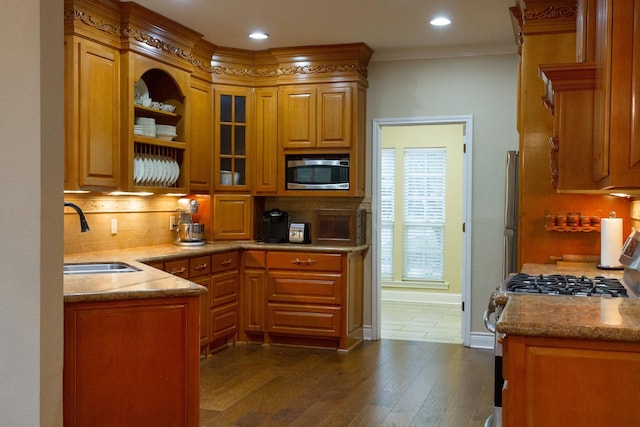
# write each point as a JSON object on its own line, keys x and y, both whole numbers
{"x": 275, "y": 226}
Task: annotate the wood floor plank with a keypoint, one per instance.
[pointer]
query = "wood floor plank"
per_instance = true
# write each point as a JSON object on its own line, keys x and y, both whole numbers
{"x": 379, "y": 383}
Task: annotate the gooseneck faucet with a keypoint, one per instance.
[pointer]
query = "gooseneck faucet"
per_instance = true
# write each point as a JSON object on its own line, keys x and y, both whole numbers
{"x": 83, "y": 221}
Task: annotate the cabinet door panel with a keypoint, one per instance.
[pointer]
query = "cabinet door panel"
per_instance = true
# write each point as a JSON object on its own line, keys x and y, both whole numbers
{"x": 232, "y": 217}
{"x": 201, "y": 136}
{"x": 114, "y": 373}
{"x": 254, "y": 300}
{"x": 99, "y": 115}
{"x": 334, "y": 123}
{"x": 298, "y": 117}
{"x": 266, "y": 141}
{"x": 296, "y": 319}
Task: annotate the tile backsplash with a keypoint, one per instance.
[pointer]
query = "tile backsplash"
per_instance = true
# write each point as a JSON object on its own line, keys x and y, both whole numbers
{"x": 141, "y": 221}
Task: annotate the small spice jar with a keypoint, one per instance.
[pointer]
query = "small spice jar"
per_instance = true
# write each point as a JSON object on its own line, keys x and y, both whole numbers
{"x": 595, "y": 221}
{"x": 573, "y": 219}
{"x": 585, "y": 221}
{"x": 550, "y": 220}
{"x": 561, "y": 220}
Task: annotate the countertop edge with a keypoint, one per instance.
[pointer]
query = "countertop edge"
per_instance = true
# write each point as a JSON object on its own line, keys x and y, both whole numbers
{"x": 150, "y": 282}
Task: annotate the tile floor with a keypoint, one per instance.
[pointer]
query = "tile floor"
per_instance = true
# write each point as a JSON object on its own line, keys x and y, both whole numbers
{"x": 421, "y": 322}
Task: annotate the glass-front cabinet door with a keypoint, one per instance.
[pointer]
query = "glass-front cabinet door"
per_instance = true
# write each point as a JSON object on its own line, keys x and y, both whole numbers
{"x": 232, "y": 142}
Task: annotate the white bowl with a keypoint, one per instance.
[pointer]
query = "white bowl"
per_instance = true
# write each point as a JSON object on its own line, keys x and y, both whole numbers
{"x": 168, "y": 107}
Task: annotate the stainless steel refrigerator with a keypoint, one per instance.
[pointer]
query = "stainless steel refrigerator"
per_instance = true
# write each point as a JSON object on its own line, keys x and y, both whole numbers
{"x": 510, "y": 245}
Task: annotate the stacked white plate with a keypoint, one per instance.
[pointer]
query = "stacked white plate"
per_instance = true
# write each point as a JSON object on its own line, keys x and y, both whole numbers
{"x": 148, "y": 125}
{"x": 166, "y": 132}
{"x": 138, "y": 130}
{"x": 155, "y": 170}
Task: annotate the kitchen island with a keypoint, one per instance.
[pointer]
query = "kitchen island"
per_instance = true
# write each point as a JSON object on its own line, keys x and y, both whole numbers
{"x": 570, "y": 360}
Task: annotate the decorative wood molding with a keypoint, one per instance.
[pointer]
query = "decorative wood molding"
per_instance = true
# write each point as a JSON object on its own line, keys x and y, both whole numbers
{"x": 154, "y": 42}
{"x": 545, "y": 16}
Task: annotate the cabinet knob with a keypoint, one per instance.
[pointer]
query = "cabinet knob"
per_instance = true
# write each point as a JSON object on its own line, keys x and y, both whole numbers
{"x": 226, "y": 262}
{"x": 200, "y": 267}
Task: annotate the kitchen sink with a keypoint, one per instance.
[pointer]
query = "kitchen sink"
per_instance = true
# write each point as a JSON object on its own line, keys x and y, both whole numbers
{"x": 98, "y": 267}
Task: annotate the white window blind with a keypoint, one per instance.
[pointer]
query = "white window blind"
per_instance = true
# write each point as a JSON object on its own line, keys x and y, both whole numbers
{"x": 424, "y": 178}
{"x": 387, "y": 204}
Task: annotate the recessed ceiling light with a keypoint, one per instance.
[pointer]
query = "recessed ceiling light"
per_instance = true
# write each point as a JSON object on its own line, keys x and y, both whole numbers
{"x": 259, "y": 35}
{"x": 440, "y": 21}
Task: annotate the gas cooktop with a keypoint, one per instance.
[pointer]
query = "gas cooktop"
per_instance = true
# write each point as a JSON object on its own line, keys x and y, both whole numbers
{"x": 559, "y": 284}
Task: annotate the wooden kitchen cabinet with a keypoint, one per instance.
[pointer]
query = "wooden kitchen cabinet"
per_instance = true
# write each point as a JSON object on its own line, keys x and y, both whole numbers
{"x": 253, "y": 296}
{"x": 317, "y": 116}
{"x": 201, "y": 148}
{"x": 596, "y": 141}
{"x": 265, "y": 147}
{"x": 131, "y": 362}
{"x": 232, "y": 217}
{"x": 232, "y": 142}
{"x": 314, "y": 298}
{"x": 617, "y": 56}
{"x": 92, "y": 115}
{"x": 561, "y": 382}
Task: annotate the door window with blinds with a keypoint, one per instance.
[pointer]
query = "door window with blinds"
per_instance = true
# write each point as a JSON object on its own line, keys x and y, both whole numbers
{"x": 420, "y": 206}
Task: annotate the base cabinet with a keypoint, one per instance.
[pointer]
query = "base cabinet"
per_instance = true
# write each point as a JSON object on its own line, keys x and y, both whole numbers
{"x": 114, "y": 374}
{"x": 303, "y": 298}
{"x": 563, "y": 382}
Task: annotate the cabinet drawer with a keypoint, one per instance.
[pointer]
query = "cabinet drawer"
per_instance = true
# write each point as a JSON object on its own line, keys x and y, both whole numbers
{"x": 305, "y": 287}
{"x": 224, "y": 288}
{"x": 199, "y": 266}
{"x": 178, "y": 268}
{"x": 296, "y": 319}
{"x": 224, "y": 261}
{"x": 301, "y": 261}
{"x": 224, "y": 321}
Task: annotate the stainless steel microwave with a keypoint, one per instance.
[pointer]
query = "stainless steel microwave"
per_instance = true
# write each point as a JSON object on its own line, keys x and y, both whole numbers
{"x": 317, "y": 174}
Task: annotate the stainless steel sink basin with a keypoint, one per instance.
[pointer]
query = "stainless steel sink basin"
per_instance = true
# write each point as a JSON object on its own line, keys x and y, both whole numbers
{"x": 98, "y": 267}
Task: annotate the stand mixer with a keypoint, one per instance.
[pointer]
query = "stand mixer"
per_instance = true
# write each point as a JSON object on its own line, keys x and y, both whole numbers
{"x": 189, "y": 233}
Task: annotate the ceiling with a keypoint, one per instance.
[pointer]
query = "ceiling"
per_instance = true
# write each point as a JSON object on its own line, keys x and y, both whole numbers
{"x": 394, "y": 29}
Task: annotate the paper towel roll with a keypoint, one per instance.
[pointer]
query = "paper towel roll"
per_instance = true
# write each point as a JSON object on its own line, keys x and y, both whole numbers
{"x": 610, "y": 242}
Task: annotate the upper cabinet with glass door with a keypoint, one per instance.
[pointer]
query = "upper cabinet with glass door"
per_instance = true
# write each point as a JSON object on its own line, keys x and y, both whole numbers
{"x": 232, "y": 138}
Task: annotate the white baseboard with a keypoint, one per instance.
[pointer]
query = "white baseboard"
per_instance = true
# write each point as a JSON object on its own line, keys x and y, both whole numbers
{"x": 482, "y": 340}
{"x": 421, "y": 297}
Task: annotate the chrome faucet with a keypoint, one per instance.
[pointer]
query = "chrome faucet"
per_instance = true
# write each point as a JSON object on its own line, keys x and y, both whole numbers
{"x": 83, "y": 221}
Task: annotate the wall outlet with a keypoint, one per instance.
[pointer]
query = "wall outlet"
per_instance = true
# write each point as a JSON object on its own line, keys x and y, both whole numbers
{"x": 114, "y": 226}
{"x": 172, "y": 222}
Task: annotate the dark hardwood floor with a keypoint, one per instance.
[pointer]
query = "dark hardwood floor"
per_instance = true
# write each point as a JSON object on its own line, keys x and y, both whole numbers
{"x": 379, "y": 383}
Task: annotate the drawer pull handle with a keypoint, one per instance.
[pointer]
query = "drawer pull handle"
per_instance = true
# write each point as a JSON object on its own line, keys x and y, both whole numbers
{"x": 200, "y": 267}
{"x": 226, "y": 262}
{"x": 182, "y": 270}
{"x": 309, "y": 261}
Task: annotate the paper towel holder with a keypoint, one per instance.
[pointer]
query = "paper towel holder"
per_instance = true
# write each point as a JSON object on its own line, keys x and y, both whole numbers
{"x": 605, "y": 236}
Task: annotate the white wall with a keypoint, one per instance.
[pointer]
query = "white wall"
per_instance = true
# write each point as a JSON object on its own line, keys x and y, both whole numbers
{"x": 31, "y": 301}
{"x": 482, "y": 86}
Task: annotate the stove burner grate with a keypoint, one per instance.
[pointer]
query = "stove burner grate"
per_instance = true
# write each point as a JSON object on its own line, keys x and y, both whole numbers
{"x": 557, "y": 284}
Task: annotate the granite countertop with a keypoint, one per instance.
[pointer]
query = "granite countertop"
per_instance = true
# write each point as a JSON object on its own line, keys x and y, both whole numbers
{"x": 153, "y": 283}
{"x": 578, "y": 317}
{"x": 592, "y": 318}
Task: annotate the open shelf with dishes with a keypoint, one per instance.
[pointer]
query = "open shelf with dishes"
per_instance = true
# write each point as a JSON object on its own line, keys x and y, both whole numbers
{"x": 158, "y": 167}
{"x": 158, "y": 158}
